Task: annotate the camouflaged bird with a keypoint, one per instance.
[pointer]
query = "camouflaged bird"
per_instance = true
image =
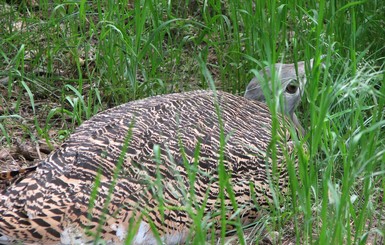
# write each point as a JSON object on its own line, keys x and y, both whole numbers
{"x": 142, "y": 170}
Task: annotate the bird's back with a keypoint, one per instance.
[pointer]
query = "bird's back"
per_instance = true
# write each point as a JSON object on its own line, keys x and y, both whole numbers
{"x": 128, "y": 165}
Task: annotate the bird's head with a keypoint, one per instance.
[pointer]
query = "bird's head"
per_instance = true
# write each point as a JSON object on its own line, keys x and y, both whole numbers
{"x": 289, "y": 86}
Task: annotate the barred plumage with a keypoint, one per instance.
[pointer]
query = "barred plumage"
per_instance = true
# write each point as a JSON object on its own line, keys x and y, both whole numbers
{"x": 51, "y": 205}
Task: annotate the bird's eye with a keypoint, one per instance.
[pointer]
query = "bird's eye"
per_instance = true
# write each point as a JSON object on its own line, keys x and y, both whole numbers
{"x": 292, "y": 88}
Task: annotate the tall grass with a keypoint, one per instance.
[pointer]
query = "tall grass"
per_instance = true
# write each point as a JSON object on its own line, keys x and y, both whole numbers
{"x": 88, "y": 56}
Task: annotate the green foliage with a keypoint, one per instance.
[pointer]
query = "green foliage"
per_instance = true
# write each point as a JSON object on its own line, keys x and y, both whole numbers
{"x": 90, "y": 55}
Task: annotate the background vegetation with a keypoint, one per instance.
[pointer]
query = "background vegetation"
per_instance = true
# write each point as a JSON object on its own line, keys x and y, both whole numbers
{"x": 63, "y": 62}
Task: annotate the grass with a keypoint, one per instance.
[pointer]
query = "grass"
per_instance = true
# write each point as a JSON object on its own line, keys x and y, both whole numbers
{"x": 86, "y": 56}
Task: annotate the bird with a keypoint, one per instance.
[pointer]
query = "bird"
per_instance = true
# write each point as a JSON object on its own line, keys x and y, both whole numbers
{"x": 142, "y": 170}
